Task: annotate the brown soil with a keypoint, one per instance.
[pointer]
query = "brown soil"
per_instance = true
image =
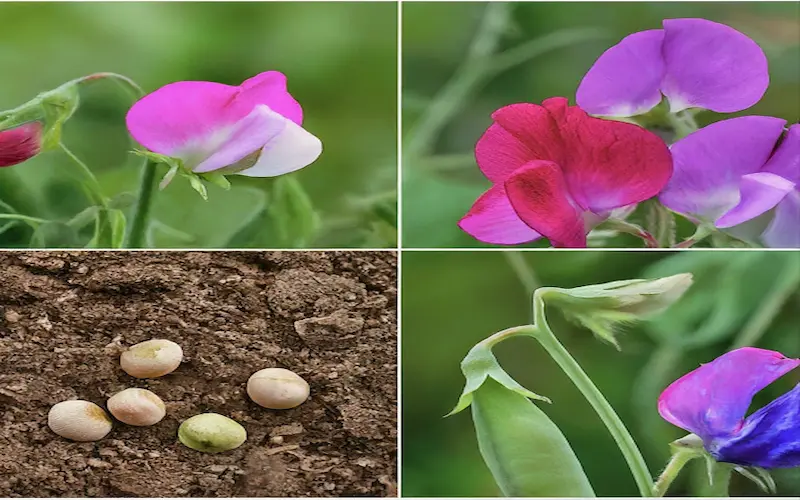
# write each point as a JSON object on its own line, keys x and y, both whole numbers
{"x": 65, "y": 317}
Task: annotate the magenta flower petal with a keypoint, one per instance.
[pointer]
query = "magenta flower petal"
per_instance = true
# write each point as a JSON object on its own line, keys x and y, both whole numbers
{"x": 492, "y": 219}
{"x": 711, "y": 66}
{"x": 786, "y": 159}
{"x": 625, "y": 80}
{"x": 268, "y": 88}
{"x": 759, "y": 192}
{"x": 536, "y": 127}
{"x": 246, "y": 136}
{"x": 712, "y": 400}
{"x": 709, "y": 163}
{"x": 20, "y": 144}
{"x": 181, "y": 116}
{"x": 784, "y": 229}
{"x": 498, "y": 153}
{"x": 538, "y": 193}
{"x": 611, "y": 164}
{"x": 290, "y": 150}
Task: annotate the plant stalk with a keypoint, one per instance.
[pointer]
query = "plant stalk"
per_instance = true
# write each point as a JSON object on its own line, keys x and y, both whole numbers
{"x": 141, "y": 213}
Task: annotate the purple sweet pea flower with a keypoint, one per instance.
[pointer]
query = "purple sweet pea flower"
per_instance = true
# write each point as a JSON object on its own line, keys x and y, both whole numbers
{"x": 712, "y": 401}
{"x": 253, "y": 129}
{"x": 695, "y": 63}
{"x": 730, "y": 172}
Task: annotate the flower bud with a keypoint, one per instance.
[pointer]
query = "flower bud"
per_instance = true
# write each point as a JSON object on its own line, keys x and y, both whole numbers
{"x": 20, "y": 143}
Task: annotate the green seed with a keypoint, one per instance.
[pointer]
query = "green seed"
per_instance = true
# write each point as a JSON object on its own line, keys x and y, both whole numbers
{"x": 211, "y": 433}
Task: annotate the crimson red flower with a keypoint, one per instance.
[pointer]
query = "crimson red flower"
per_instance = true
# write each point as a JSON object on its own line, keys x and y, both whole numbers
{"x": 20, "y": 144}
{"x": 557, "y": 173}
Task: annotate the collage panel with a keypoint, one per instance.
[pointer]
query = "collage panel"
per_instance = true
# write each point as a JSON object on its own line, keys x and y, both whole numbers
{"x": 624, "y": 374}
{"x": 252, "y": 132}
{"x": 590, "y": 124}
{"x": 198, "y": 374}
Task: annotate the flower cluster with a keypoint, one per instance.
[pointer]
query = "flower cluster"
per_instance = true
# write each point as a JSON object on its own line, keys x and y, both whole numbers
{"x": 558, "y": 172}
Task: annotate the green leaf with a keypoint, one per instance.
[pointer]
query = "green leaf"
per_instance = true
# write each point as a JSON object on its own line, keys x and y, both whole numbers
{"x": 118, "y": 223}
{"x": 525, "y": 451}
{"x": 83, "y": 218}
{"x": 122, "y": 201}
{"x": 217, "y": 179}
{"x": 58, "y": 106}
{"x": 198, "y": 185}
{"x": 291, "y": 211}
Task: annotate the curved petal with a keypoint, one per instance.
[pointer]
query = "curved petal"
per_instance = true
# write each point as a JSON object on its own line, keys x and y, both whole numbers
{"x": 784, "y": 230}
{"x": 538, "y": 193}
{"x": 711, "y": 66}
{"x": 612, "y": 164}
{"x": 292, "y": 149}
{"x": 534, "y": 126}
{"x": 178, "y": 116}
{"x": 20, "y": 143}
{"x": 492, "y": 219}
{"x": 712, "y": 400}
{"x": 625, "y": 80}
{"x": 770, "y": 437}
{"x": 758, "y": 193}
{"x": 786, "y": 159}
{"x": 709, "y": 163}
{"x": 268, "y": 88}
{"x": 241, "y": 139}
{"x": 498, "y": 153}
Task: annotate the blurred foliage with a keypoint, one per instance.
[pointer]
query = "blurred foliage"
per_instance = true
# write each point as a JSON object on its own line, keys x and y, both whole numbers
{"x": 341, "y": 61}
{"x": 452, "y": 300}
{"x": 484, "y": 58}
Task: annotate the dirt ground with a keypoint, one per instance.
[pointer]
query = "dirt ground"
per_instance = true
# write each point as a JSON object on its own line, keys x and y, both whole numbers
{"x": 65, "y": 317}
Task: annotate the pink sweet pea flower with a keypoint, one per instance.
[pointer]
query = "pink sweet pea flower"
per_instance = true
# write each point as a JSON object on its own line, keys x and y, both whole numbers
{"x": 558, "y": 172}
{"x": 253, "y": 129}
{"x": 20, "y": 144}
{"x": 695, "y": 63}
{"x": 742, "y": 174}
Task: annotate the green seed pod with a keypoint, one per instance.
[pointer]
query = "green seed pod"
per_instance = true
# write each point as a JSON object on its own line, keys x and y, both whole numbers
{"x": 211, "y": 433}
{"x": 527, "y": 454}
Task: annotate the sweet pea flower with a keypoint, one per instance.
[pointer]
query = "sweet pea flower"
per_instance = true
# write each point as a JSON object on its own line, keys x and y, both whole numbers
{"x": 712, "y": 401}
{"x": 253, "y": 129}
{"x": 558, "y": 172}
{"x": 695, "y": 63}
{"x": 20, "y": 144}
{"x": 731, "y": 172}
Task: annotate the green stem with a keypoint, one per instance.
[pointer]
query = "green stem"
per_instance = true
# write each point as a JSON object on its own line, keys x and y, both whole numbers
{"x": 633, "y": 456}
{"x": 522, "y": 270}
{"x": 23, "y": 218}
{"x": 96, "y": 190}
{"x": 720, "y": 481}
{"x": 674, "y": 467}
{"x": 144, "y": 200}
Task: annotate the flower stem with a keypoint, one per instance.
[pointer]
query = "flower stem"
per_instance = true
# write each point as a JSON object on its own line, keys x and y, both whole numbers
{"x": 633, "y": 456}
{"x": 523, "y": 271}
{"x": 144, "y": 200}
{"x": 673, "y": 468}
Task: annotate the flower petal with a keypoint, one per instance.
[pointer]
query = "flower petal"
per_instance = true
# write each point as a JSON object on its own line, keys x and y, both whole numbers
{"x": 759, "y": 192}
{"x": 243, "y": 138}
{"x": 712, "y": 400}
{"x": 625, "y": 80}
{"x": 784, "y": 230}
{"x": 611, "y": 164}
{"x": 786, "y": 159}
{"x": 177, "y": 117}
{"x": 711, "y": 66}
{"x": 268, "y": 88}
{"x": 498, "y": 153}
{"x": 492, "y": 219}
{"x": 535, "y": 127}
{"x": 20, "y": 143}
{"x": 770, "y": 437}
{"x": 538, "y": 193}
{"x": 292, "y": 149}
{"x": 709, "y": 164}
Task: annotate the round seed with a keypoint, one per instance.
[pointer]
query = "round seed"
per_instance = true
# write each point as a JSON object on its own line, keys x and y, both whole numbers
{"x": 277, "y": 388}
{"x": 211, "y": 433}
{"x": 151, "y": 359}
{"x": 136, "y": 407}
{"x": 79, "y": 420}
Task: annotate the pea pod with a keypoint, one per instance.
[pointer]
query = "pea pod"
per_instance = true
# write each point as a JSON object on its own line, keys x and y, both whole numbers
{"x": 525, "y": 451}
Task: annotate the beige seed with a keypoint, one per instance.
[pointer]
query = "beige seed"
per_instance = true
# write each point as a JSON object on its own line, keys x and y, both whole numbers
{"x": 79, "y": 420}
{"x": 277, "y": 388}
{"x": 151, "y": 359}
{"x": 137, "y": 407}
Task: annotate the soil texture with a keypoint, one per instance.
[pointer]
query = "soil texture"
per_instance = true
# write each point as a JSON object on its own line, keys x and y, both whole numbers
{"x": 331, "y": 317}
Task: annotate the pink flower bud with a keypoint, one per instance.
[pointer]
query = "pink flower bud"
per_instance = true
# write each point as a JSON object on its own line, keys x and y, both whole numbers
{"x": 20, "y": 144}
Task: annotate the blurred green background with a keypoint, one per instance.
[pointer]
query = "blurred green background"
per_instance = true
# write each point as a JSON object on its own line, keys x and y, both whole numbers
{"x": 452, "y": 300}
{"x": 341, "y": 62}
{"x": 537, "y": 50}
